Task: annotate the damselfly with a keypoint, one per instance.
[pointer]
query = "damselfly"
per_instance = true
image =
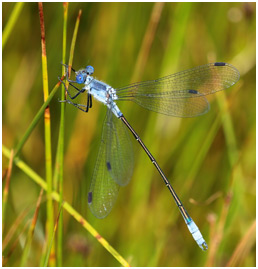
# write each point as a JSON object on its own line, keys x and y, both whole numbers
{"x": 180, "y": 95}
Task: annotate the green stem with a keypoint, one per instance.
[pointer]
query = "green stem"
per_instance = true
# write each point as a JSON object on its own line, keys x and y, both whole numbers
{"x": 10, "y": 24}
{"x": 36, "y": 178}
{"x": 27, "y": 247}
{"x": 48, "y": 150}
{"x": 35, "y": 120}
{"x": 6, "y": 189}
{"x": 59, "y": 167}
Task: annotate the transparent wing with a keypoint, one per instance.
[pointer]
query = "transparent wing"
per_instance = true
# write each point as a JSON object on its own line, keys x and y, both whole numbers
{"x": 182, "y": 94}
{"x": 103, "y": 189}
{"x": 119, "y": 158}
{"x": 178, "y": 104}
{"x": 113, "y": 167}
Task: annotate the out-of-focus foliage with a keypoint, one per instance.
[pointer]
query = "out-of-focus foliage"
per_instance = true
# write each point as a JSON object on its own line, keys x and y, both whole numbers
{"x": 210, "y": 160}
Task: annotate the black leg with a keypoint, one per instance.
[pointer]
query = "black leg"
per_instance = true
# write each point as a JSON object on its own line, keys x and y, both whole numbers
{"x": 77, "y": 105}
{"x": 76, "y": 88}
{"x": 79, "y": 91}
{"x": 90, "y": 100}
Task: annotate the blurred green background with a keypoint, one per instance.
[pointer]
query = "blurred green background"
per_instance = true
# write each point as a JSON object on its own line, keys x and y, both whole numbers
{"x": 210, "y": 160}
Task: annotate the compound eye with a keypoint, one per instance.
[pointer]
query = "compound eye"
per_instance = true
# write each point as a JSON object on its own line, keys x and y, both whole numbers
{"x": 89, "y": 70}
{"x": 80, "y": 78}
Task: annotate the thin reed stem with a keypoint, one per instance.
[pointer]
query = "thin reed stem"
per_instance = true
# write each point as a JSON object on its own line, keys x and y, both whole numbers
{"x": 6, "y": 188}
{"x": 48, "y": 154}
{"x": 11, "y": 22}
{"x": 78, "y": 217}
{"x": 35, "y": 120}
{"x": 27, "y": 247}
{"x": 59, "y": 165}
{"x": 147, "y": 41}
{"x": 14, "y": 244}
{"x": 243, "y": 248}
{"x": 53, "y": 236}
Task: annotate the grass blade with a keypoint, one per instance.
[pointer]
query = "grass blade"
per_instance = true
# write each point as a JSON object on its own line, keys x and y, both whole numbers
{"x": 31, "y": 232}
{"x": 6, "y": 188}
{"x": 10, "y": 24}
{"x": 48, "y": 154}
{"x": 36, "y": 178}
{"x": 36, "y": 120}
{"x": 147, "y": 41}
{"x": 52, "y": 239}
{"x": 14, "y": 245}
{"x": 74, "y": 38}
{"x": 59, "y": 165}
{"x": 243, "y": 248}
{"x": 15, "y": 227}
